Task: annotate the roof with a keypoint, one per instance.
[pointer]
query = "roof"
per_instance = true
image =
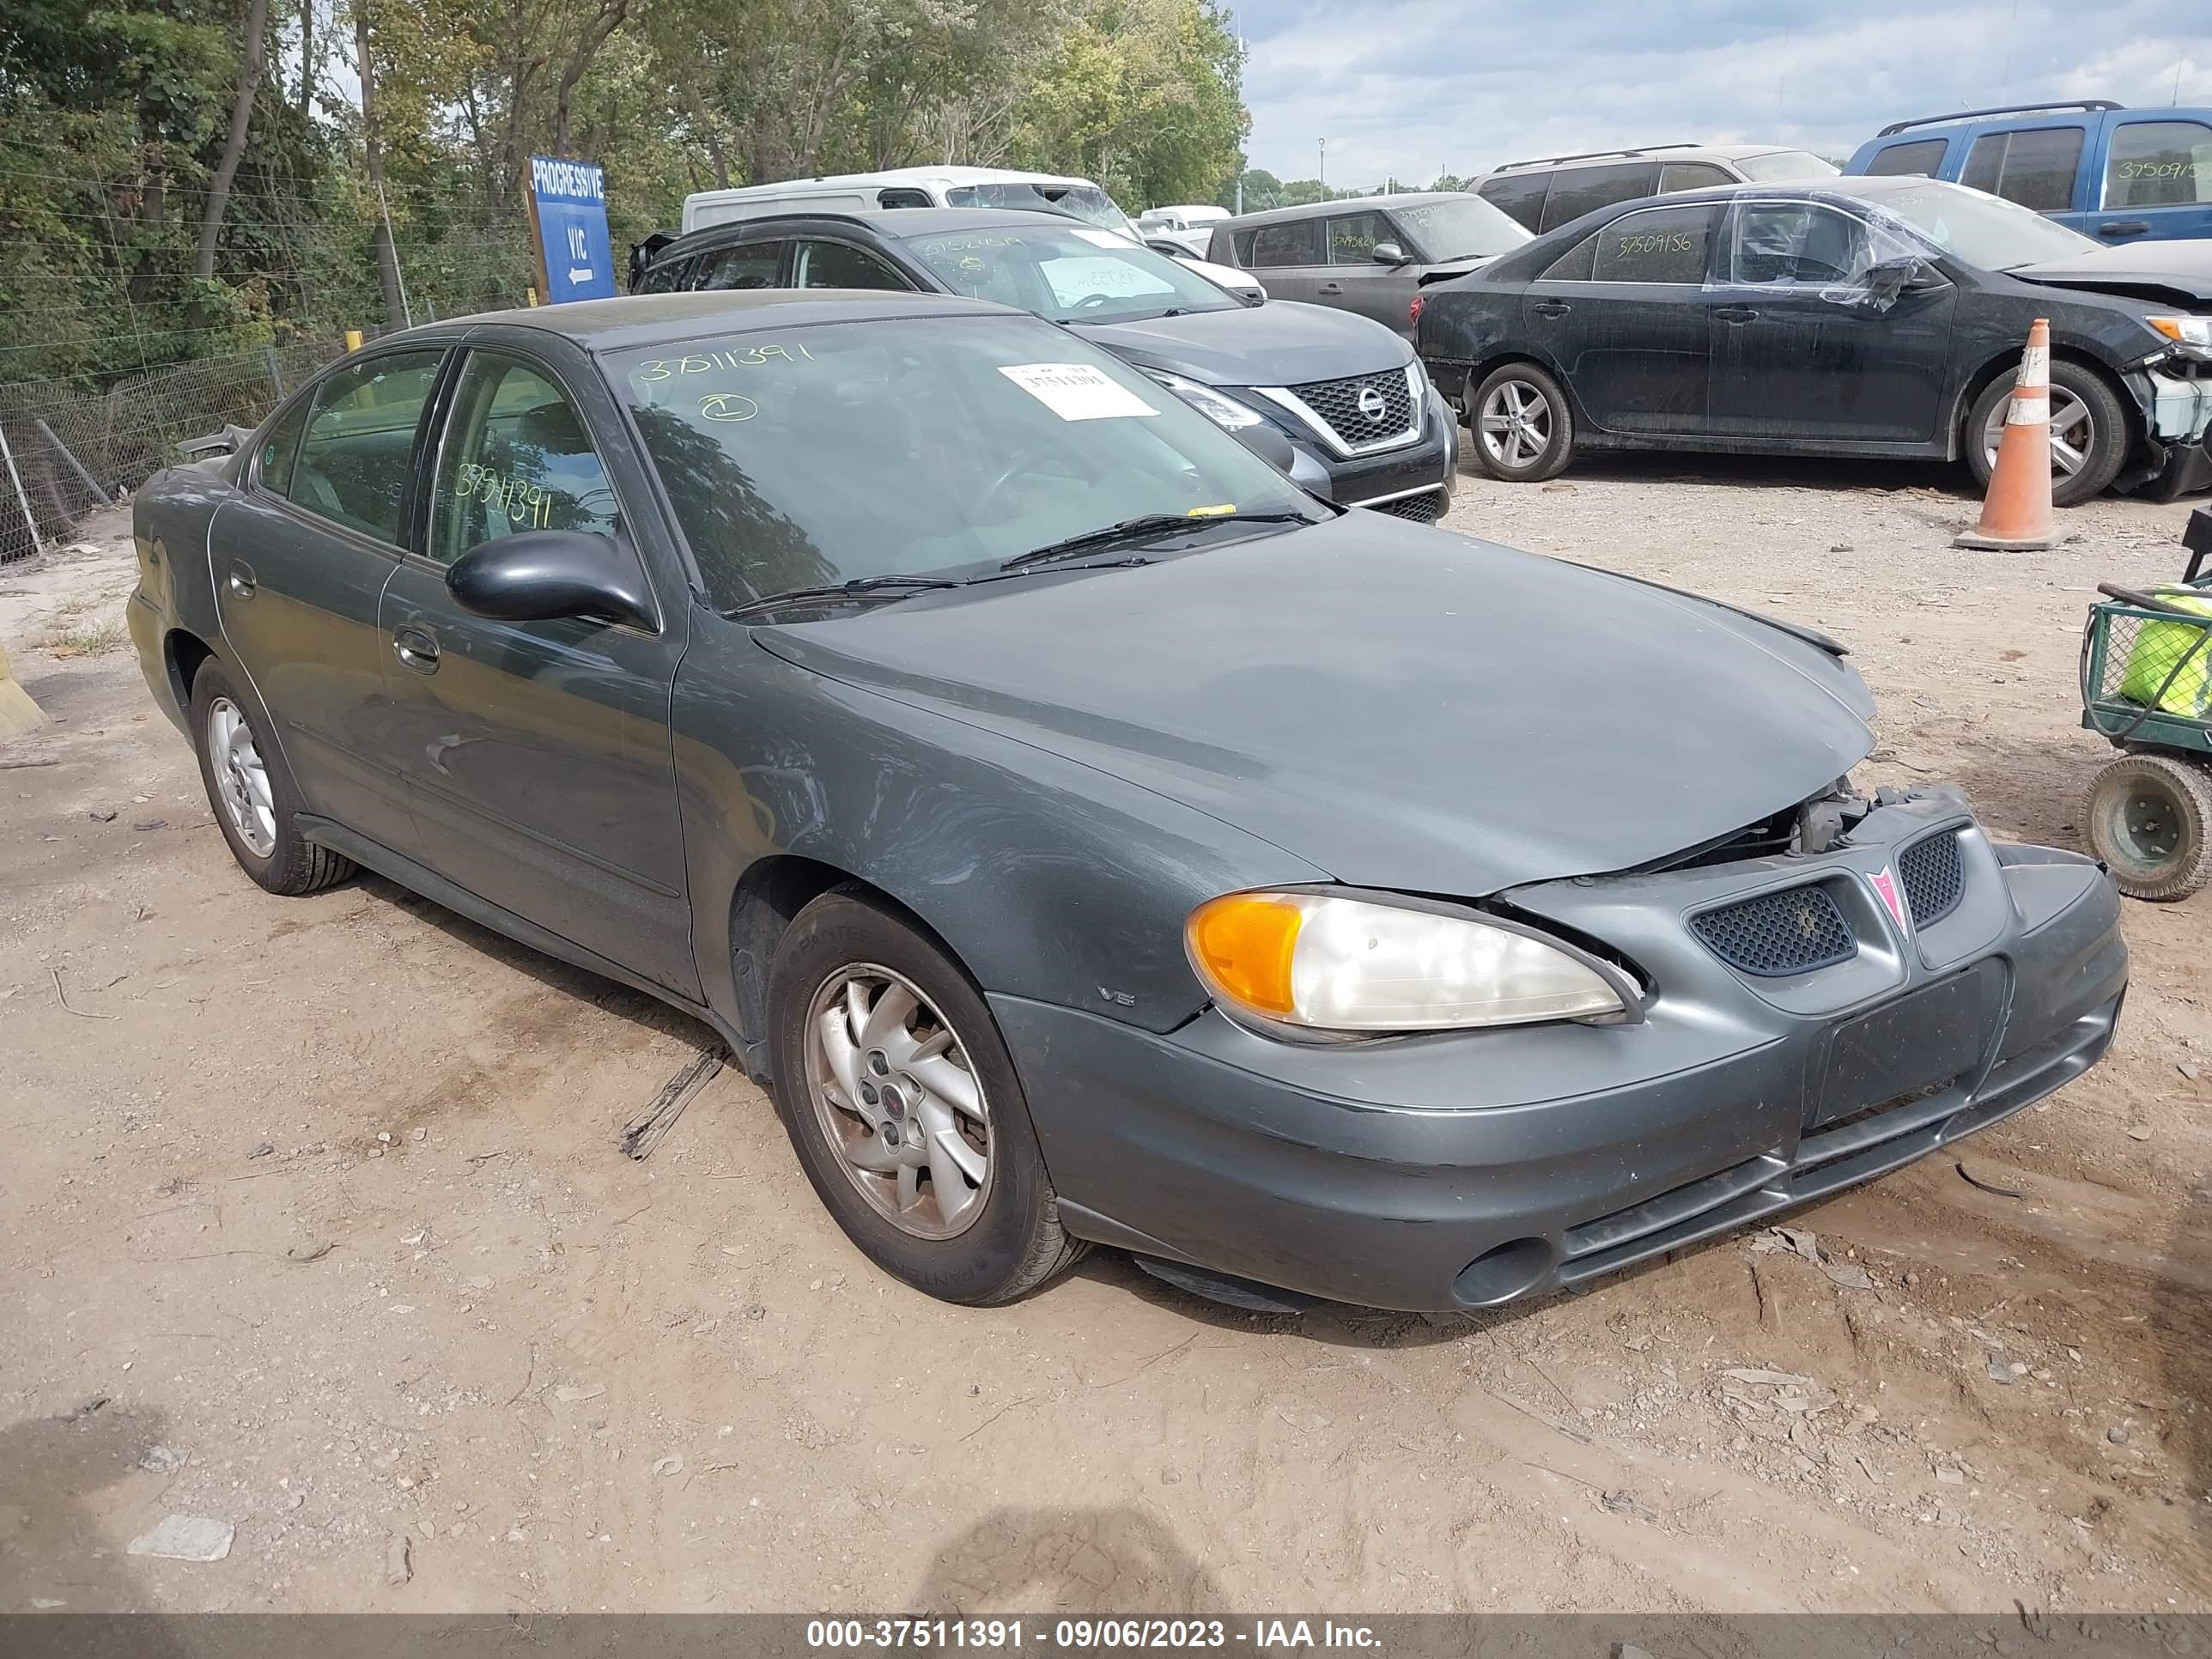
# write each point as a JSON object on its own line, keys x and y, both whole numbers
{"x": 1342, "y": 205}
{"x": 1670, "y": 152}
{"x": 892, "y": 224}
{"x": 947, "y": 175}
{"x": 645, "y": 320}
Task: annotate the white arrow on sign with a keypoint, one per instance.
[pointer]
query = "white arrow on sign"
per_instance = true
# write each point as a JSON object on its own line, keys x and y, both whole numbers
{"x": 580, "y": 273}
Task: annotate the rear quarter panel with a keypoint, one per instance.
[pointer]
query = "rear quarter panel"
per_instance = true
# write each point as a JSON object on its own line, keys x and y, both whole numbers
{"x": 171, "y": 517}
{"x": 1464, "y": 323}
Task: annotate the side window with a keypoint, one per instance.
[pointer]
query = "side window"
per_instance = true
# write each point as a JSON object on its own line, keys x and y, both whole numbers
{"x": 2035, "y": 169}
{"x": 1574, "y": 265}
{"x": 358, "y": 452}
{"x": 1293, "y": 242}
{"x": 1577, "y": 191}
{"x": 838, "y": 265}
{"x": 1692, "y": 175}
{"x": 1240, "y": 242}
{"x": 902, "y": 198}
{"x": 667, "y": 277}
{"x": 1519, "y": 196}
{"x": 2159, "y": 164}
{"x": 1798, "y": 242}
{"x": 1923, "y": 156}
{"x": 1660, "y": 244}
{"x": 1352, "y": 239}
{"x": 752, "y": 265}
{"x": 515, "y": 456}
{"x": 274, "y": 464}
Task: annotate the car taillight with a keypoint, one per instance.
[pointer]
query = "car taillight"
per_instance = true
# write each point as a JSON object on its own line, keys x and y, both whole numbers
{"x": 1413, "y": 311}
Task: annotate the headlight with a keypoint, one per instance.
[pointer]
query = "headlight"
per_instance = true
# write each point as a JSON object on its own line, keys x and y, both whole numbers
{"x": 2184, "y": 330}
{"x": 1342, "y": 964}
{"x": 1225, "y": 412}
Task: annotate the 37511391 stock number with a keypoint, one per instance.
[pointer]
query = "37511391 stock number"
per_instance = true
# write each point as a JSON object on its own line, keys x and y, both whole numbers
{"x": 827, "y": 1635}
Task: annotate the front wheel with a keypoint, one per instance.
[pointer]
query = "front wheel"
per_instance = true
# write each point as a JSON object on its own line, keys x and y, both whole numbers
{"x": 901, "y": 1102}
{"x": 2150, "y": 820}
{"x": 2088, "y": 433}
{"x": 1523, "y": 430}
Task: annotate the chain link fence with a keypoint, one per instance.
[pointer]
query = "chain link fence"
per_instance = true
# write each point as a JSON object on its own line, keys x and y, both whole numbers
{"x": 69, "y": 451}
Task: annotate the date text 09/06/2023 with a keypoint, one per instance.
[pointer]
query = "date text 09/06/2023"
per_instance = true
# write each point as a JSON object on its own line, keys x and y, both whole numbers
{"x": 1085, "y": 1635}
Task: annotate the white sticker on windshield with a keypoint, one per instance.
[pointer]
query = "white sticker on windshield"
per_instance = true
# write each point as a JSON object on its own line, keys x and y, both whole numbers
{"x": 1076, "y": 391}
{"x": 1103, "y": 238}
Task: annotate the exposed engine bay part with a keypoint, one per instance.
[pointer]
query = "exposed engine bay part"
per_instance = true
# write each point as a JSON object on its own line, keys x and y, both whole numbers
{"x": 1819, "y": 825}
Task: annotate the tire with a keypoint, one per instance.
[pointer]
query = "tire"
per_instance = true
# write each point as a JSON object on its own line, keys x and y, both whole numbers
{"x": 1545, "y": 436}
{"x": 2072, "y": 388}
{"x": 2150, "y": 820}
{"x": 1001, "y": 1237}
{"x": 266, "y": 843}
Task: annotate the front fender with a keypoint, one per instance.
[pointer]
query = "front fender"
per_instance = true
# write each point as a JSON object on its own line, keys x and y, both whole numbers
{"x": 1049, "y": 879}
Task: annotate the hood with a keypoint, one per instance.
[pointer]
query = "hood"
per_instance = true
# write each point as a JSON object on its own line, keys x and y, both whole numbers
{"x": 1279, "y": 343}
{"x": 1401, "y": 707}
{"x": 2162, "y": 273}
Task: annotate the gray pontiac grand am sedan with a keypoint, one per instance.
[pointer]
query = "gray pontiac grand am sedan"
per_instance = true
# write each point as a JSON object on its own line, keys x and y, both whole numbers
{"x": 1087, "y": 835}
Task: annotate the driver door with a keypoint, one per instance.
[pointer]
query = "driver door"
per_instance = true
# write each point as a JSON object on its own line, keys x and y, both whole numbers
{"x": 1803, "y": 349}
{"x": 537, "y": 755}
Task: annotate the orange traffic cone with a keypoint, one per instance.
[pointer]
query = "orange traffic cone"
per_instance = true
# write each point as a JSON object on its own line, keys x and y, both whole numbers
{"x": 2016, "y": 512}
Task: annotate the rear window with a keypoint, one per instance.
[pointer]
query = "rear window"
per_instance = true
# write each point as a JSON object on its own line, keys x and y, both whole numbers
{"x": 2160, "y": 164}
{"x": 1519, "y": 196}
{"x": 1780, "y": 164}
{"x": 2034, "y": 168}
{"x": 1923, "y": 155}
{"x": 1577, "y": 191}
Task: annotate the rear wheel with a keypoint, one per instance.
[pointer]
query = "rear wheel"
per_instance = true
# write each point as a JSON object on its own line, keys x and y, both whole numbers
{"x": 252, "y": 792}
{"x": 901, "y": 1102}
{"x": 2089, "y": 434}
{"x": 2150, "y": 820}
{"x": 1523, "y": 430}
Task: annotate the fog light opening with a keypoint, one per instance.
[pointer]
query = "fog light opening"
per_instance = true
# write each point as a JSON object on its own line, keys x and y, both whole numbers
{"x": 1503, "y": 1273}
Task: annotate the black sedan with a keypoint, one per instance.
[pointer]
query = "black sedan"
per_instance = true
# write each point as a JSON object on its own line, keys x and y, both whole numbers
{"x": 1087, "y": 834}
{"x": 1862, "y": 316}
{"x": 1337, "y": 401}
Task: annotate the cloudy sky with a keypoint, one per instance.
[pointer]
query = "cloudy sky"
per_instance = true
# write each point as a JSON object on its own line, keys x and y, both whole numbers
{"x": 1416, "y": 87}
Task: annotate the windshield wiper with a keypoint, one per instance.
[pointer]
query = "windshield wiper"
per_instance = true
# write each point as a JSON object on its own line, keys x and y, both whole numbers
{"x": 890, "y": 588}
{"x": 1136, "y": 530}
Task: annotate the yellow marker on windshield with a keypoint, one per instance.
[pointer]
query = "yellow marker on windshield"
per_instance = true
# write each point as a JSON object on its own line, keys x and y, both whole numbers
{"x": 1211, "y": 512}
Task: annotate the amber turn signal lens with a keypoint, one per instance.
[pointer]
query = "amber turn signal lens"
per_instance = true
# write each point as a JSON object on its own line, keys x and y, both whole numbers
{"x": 1242, "y": 942}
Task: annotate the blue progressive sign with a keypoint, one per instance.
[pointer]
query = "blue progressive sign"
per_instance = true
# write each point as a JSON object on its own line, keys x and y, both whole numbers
{"x": 568, "y": 205}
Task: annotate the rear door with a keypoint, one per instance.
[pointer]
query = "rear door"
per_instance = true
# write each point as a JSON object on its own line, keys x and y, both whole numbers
{"x": 538, "y": 754}
{"x": 1622, "y": 314}
{"x": 2037, "y": 165}
{"x": 1289, "y": 258}
{"x": 2155, "y": 177}
{"x": 299, "y": 563}
{"x": 1800, "y": 351}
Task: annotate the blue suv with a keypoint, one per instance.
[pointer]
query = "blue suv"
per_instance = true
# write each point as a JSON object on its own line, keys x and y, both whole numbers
{"x": 2120, "y": 173}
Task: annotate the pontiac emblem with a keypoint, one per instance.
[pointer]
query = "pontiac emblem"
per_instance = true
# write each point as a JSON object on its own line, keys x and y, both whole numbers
{"x": 1885, "y": 885}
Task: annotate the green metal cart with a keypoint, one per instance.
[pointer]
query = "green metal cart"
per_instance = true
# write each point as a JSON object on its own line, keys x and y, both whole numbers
{"x": 2147, "y": 689}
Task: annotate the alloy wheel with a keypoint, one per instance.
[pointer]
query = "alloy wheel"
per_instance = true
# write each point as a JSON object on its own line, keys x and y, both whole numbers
{"x": 900, "y": 1104}
{"x": 1515, "y": 424}
{"x": 241, "y": 778}
{"x": 2073, "y": 432}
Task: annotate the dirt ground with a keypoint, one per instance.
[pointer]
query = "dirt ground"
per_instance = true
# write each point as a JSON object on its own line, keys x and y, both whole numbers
{"x": 312, "y": 1222}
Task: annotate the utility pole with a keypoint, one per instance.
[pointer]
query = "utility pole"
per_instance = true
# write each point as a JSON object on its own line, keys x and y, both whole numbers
{"x": 372, "y": 137}
{"x": 1324, "y": 163}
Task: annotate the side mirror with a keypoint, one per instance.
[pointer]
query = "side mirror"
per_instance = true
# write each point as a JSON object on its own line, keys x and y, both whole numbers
{"x": 1909, "y": 275}
{"x": 1269, "y": 444}
{"x": 537, "y": 575}
{"x": 1389, "y": 253}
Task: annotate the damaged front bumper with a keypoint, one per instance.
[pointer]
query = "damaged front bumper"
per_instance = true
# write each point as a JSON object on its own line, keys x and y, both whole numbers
{"x": 2178, "y": 433}
{"x": 1470, "y": 1169}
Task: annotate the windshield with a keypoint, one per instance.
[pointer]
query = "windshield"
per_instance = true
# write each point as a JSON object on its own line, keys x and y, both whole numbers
{"x": 1981, "y": 229}
{"x": 1085, "y": 202}
{"x": 1463, "y": 227}
{"x": 1069, "y": 273}
{"x": 1780, "y": 164}
{"x": 805, "y": 457}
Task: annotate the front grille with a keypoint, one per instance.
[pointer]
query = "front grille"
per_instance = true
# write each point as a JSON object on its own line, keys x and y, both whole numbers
{"x": 1791, "y": 931}
{"x": 1933, "y": 880}
{"x": 1424, "y": 509}
{"x": 1337, "y": 402}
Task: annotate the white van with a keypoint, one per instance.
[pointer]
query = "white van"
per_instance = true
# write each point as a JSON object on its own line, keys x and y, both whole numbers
{"x": 938, "y": 186}
{"x": 1187, "y": 225}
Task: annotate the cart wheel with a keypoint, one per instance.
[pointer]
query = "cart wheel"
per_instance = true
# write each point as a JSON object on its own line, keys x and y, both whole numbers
{"x": 2150, "y": 819}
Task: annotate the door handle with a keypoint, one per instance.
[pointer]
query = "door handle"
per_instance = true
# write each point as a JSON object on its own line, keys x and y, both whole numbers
{"x": 2124, "y": 228}
{"x": 1330, "y": 289}
{"x": 241, "y": 578}
{"x": 1736, "y": 313}
{"x": 417, "y": 649}
{"x": 1551, "y": 307}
